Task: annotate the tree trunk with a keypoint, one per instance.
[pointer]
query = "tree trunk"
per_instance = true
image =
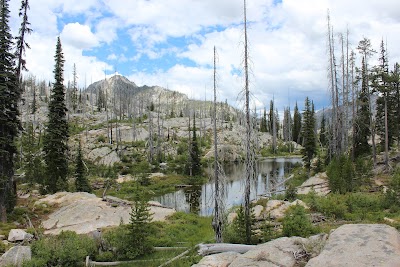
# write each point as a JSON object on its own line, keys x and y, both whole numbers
{"x": 207, "y": 249}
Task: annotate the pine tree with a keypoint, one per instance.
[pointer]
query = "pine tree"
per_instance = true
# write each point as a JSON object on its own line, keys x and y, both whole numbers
{"x": 32, "y": 156}
{"x": 194, "y": 151}
{"x": 322, "y": 133}
{"x": 296, "y": 124}
{"x": 9, "y": 122}
{"x": 308, "y": 133}
{"x": 263, "y": 124}
{"x": 139, "y": 227}
{"x": 81, "y": 182}
{"x": 362, "y": 133}
{"x": 56, "y": 136}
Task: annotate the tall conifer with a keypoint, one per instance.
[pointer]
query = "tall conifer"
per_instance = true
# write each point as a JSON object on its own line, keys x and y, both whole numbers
{"x": 9, "y": 122}
{"x": 56, "y": 137}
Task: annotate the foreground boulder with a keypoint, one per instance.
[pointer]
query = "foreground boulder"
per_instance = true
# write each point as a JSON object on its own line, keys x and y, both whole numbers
{"x": 16, "y": 235}
{"x": 360, "y": 245}
{"x": 15, "y": 256}
{"x": 217, "y": 260}
{"x": 84, "y": 213}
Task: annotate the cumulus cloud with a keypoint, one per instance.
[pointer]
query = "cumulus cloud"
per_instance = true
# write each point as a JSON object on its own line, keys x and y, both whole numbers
{"x": 287, "y": 41}
{"x": 79, "y": 36}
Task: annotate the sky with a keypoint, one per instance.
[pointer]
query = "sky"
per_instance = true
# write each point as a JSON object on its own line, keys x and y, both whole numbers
{"x": 170, "y": 43}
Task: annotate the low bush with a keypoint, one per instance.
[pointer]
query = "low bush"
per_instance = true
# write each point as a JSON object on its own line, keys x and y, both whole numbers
{"x": 297, "y": 222}
{"x": 68, "y": 249}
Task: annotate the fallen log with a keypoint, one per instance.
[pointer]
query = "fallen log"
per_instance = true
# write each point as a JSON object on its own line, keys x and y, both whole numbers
{"x": 207, "y": 249}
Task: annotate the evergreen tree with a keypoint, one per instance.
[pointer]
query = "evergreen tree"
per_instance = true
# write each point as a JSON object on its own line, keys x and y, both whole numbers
{"x": 9, "y": 122}
{"x": 194, "y": 151}
{"x": 56, "y": 136}
{"x": 139, "y": 227}
{"x": 263, "y": 124}
{"x": 81, "y": 182}
{"x": 322, "y": 133}
{"x": 296, "y": 124}
{"x": 308, "y": 133}
{"x": 32, "y": 156}
{"x": 271, "y": 117}
{"x": 361, "y": 146}
{"x": 395, "y": 86}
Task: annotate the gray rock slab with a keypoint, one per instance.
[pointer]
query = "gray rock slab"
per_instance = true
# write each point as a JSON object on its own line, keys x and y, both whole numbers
{"x": 217, "y": 260}
{"x": 15, "y": 256}
{"x": 279, "y": 252}
{"x": 360, "y": 245}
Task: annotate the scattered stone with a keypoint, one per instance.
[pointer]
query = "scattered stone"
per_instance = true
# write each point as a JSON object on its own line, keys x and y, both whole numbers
{"x": 389, "y": 220}
{"x": 217, "y": 260}
{"x": 16, "y": 235}
{"x": 257, "y": 211}
{"x": 2, "y": 237}
{"x": 124, "y": 178}
{"x": 360, "y": 245}
{"x": 319, "y": 182}
{"x": 231, "y": 217}
{"x": 299, "y": 202}
{"x": 156, "y": 174}
{"x": 15, "y": 256}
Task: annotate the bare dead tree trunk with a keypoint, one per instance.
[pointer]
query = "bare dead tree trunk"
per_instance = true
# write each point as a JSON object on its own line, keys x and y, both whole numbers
{"x": 249, "y": 161}
{"x": 217, "y": 221}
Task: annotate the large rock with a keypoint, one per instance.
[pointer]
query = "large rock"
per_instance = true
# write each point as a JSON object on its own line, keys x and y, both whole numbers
{"x": 279, "y": 252}
{"x": 84, "y": 213}
{"x": 318, "y": 182}
{"x": 16, "y": 235}
{"x": 15, "y": 256}
{"x": 217, "y": 260}
{"x": 360, "y": 245}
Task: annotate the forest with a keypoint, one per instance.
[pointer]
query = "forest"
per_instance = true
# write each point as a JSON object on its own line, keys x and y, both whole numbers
{"x": 111, "y": 153}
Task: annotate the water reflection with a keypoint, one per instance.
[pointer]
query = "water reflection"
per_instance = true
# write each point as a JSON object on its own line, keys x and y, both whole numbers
{"x": 199, "y": 198}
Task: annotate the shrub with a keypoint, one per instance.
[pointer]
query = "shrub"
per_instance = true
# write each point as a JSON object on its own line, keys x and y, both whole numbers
{"x": 67, "y": 249}
{"x": 297, "y": 223}
{"x": 236, "y": 231}
{"x": 392, "y": 197}
{"x": 101, "y": 139}
{"x": 333, "y": 206}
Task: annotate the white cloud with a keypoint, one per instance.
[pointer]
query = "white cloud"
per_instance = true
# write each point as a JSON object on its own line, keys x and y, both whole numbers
{"x": 287, "y": 41}
{"x": 79, "y": 36}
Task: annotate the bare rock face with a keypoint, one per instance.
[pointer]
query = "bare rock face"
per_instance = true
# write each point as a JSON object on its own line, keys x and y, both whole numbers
{"x": 16, "y": 235}
{"x": 279, "y": 252}
{"x": 84, "y": 213}
{"x": 360, "y": 245}
{"x": 318, "y": 182}
{"x": 15, "y": 256}
{"x": 217, "y": 260}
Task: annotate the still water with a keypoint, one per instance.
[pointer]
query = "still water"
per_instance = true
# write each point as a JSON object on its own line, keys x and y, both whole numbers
{"x": 199, "y": 199}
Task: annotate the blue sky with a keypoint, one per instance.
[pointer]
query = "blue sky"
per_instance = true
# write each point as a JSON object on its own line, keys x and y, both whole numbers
{"x": 170, "y": 43}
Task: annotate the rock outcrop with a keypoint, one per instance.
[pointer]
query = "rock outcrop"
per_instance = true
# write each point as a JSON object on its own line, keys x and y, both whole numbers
{"x": 360, "y": 245}
{"x": 217, "y": 260}
{"x": 16, "y": 235}
{"x": 84, "y": 213}
{"x": 15, "y": 256}
{"x": 318, "y": 182}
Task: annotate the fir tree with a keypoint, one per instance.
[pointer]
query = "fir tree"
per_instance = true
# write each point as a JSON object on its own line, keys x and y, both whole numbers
{"x": 81, "y": 182}
{"x": 308, "y": 133}
{"x": 361, "y": 146}
{"x": 32, "y": 155}
{"x": 9, "y": 122}
{"x": 194, "y": 151}
{"x": 139, "y": 227}
{"x": 263, "y": 124}
{"x": 296, "y": 124}
{"x": 56, "y": 136}
{"x": 322, "y": 133}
